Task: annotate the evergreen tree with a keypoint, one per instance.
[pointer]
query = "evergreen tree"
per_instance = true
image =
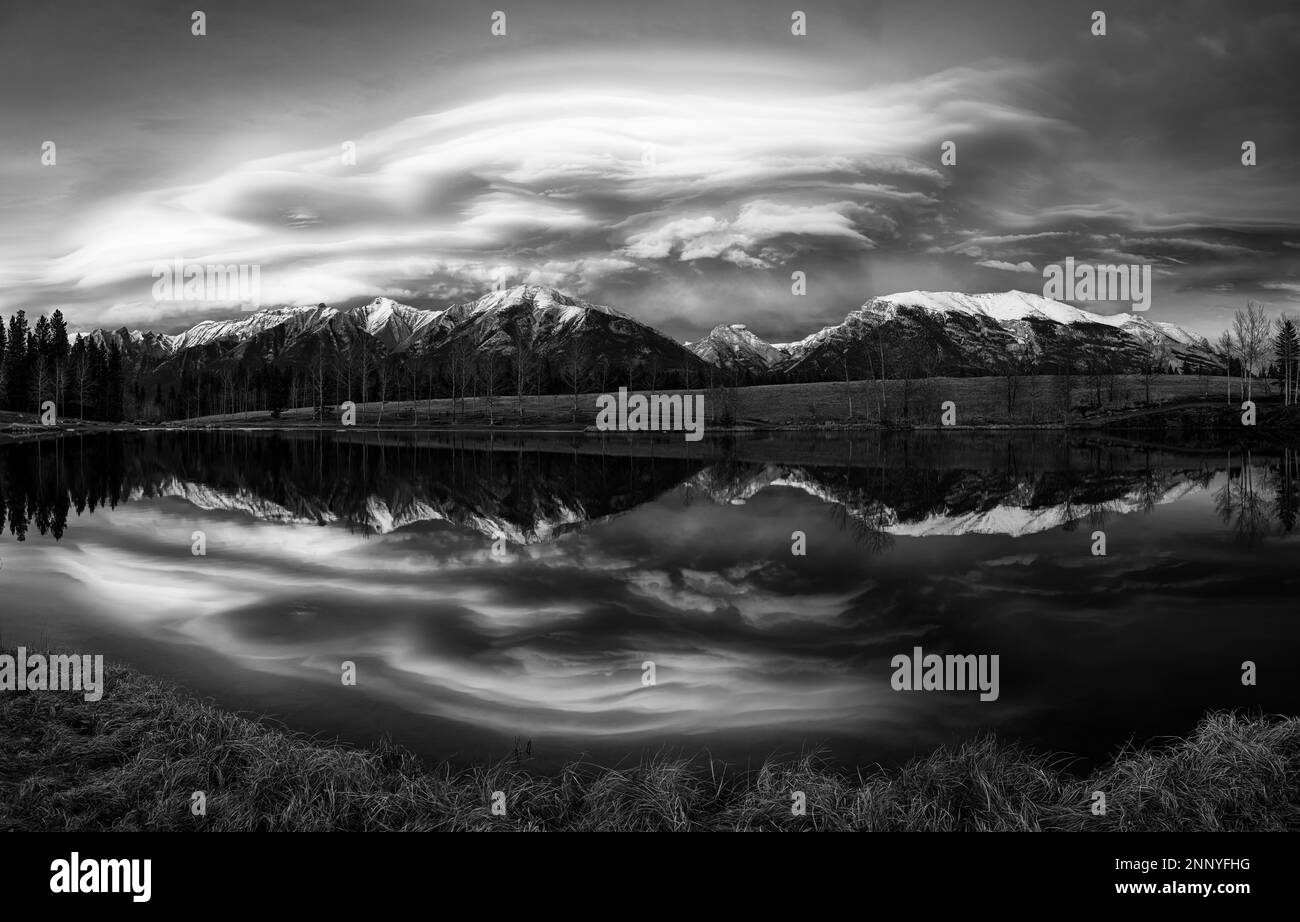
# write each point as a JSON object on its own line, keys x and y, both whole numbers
{"x": 59, "y": 349}
{"x": 40, "y": 366}
{"x": 16, "y": 363}
{"x": 1286, "y": 346}
{"x": 113, "y": 382}
{"x": 98, "y": 369}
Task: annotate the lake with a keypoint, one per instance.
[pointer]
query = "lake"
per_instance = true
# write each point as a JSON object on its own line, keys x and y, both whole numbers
{"x": 503, "y": 590}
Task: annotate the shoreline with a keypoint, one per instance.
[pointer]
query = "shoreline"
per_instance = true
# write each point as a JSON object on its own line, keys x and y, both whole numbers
{"x": 135, "y": 759}
{"x": 1171, "y": 404}
{"x": 265, "y": 423}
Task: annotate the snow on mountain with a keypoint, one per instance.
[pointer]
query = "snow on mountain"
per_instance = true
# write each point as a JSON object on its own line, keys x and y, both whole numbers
{"x": 552, "y": 328}
{"x": 1003, "y": 307}
{"x": 948, "y": 332}
{"x": 735, "y": 346}
{"x": 395, "y": 325}
{"x": 913, "y": 332}
{"x": 380, "y": 515}
{"x": 964, "y": 506}
{"x": 541, "y": 299}
{"x": 1014, "y": 515}
{"x": 297, "y": 321}
{"x": 1018, "y": 521}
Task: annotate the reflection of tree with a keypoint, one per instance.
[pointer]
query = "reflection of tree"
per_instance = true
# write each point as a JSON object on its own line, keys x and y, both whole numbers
{"x": 866, "y": 523}
{"x": 33, "y": 491}
{"x": 1286, "y": 498}
{"x": 1097, "y": 513}
{"x": 353, "y": 479}
{"x": 527, "y": 492}
{"x": 1241, "y": 505}
{"x": 1153, "y": 485}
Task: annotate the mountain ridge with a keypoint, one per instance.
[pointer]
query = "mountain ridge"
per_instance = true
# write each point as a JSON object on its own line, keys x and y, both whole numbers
{"x": 562, "y": 338}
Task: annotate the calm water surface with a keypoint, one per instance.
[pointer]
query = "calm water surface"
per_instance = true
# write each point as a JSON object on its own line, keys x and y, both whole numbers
{"x": 378, "y": 548}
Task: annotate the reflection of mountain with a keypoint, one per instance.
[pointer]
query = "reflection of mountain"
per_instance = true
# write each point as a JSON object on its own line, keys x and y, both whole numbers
{"x": 963, "y": 502}
{"x": 529, "y": 496}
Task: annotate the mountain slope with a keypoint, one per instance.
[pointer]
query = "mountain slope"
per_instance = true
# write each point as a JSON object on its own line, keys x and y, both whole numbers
{"x": 734, "y": 347}
{"x": 549, "y": 328}
{"x": 924, "y": 333}
{"x": 910, "y": 334}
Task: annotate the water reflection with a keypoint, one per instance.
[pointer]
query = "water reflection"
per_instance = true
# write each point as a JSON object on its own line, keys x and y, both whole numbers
{"x": 536, "y": 494}
{"x": 379, "y": 549}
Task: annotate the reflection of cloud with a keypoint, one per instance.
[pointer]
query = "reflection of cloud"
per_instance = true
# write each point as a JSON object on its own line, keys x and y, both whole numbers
{"x": 552, "y": 639}
{"x": 713, "y": 592}
{"x": 438, "y": 625}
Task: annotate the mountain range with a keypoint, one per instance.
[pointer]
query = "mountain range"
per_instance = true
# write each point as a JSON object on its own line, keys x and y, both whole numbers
{"x": 961, "y": 334}
{"x": 909, "y": 334}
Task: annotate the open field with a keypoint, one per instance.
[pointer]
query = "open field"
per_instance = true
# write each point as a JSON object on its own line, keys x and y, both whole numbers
{"x": 134, "y": 759}
{"x": 978, "y": 403}
{"x": 1037, "y": 400}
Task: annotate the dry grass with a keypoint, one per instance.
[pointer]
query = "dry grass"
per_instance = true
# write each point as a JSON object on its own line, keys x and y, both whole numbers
{"x": 132, "y": 761}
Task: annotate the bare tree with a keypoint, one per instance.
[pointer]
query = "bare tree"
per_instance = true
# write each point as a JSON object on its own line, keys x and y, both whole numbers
{"x": 521, "y": 342}
{"x": 40, "y": 377}
{"x": 1154, "y": 362}
{"x": 1014, "y": 364}
{"x": 1069, "y": 350}
{"x": 488, "y": 374}
{"x": 341, "y": 366}
{"x": 848, "y": 388}
{"x": 575, "y": 371}
{"x": 383, "y": 366}
{"x": 879, "y": 334}
{"x": 81, "y": 369}
{"x": 462, "y": 373}
{"x": 1250, "y": 329}
{"x": 413, "y": 368}
{"x": 316, "y": 374}
{"x": 654, "y": 368}
{"x": 365, "y": 363}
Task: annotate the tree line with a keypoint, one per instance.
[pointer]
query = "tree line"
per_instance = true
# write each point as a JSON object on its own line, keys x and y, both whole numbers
{"x": 93, "y": 378}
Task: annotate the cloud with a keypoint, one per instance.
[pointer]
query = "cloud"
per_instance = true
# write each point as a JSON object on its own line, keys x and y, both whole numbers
{"x": 660, "y": 168}
{"x": 1007, "y": 267}
{"x": 530, "y": 180}
{"x": 757, "y": 224}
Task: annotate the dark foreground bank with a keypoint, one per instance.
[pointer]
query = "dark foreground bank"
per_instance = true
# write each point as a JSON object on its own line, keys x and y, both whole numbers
{"x": 135, "y": 759}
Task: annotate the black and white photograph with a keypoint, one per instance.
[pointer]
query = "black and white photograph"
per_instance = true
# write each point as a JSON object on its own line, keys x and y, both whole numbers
{"x": 439, "y": 416}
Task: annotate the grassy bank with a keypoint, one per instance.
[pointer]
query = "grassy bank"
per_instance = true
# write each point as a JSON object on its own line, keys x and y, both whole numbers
{"x": 1038, "y": 401}
{"x": 133, "y": 760}
{"x": 1171, "y": 402}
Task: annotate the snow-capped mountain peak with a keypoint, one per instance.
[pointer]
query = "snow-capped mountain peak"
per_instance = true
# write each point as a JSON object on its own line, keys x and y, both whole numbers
{"x": 734, "y": 345}
{"x": 1002, "y": 306}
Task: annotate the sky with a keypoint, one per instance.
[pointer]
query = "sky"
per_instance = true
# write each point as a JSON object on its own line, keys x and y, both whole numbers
{"x": 676, "y": 160}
